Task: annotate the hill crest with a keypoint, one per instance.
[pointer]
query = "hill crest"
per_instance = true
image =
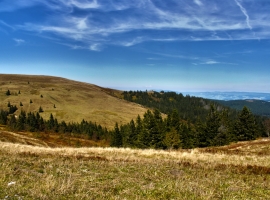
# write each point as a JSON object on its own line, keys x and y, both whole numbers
{"x": 68, "y": 100}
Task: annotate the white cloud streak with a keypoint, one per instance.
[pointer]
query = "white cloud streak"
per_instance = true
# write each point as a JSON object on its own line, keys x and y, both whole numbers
{"x": 95, "y": 47}
{"x": 244, "y": 11}
{"x": 128, "y": 23}
{"x": 198, "y": 2}
{"x": 211, "y": 62}
{"x": 6, "y": 25}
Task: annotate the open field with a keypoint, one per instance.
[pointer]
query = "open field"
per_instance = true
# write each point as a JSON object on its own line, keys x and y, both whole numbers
{"x": 67, "y": 100}
{"x": 237, "y": 171}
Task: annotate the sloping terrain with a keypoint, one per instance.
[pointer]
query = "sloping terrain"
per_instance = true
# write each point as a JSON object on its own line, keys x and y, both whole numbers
{"x": 67, "y": 100}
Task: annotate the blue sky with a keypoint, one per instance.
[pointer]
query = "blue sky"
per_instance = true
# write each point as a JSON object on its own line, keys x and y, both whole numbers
{"x": 180, "y": 45}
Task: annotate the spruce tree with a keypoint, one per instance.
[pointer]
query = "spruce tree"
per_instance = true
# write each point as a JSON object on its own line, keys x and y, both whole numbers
{"x": 245, "y": 127}
{"x": 51, "y": 122}
{"x": 21, "y": 121}
{"x": 116, "y": 140}
{"x": 131, "y": 135}
{"x": 40, "y": 109}
{"x": 212, "y": 125}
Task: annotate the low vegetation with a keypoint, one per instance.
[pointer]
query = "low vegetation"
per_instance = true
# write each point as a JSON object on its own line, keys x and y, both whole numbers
{"x": 29, "y": 172}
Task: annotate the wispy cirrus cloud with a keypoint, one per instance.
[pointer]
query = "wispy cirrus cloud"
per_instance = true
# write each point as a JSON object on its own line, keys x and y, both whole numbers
{"x": 198, "y": 2}
{"x": 127, "y": 23}
{"x": 6, "y": 25}
{"x": 19, "y": 41}
{"x": 244, "y": 11}
{"x": 211, "y": 62}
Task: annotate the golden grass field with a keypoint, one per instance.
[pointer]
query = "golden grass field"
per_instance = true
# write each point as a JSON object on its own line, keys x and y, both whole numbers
{"x": 73, "y": 100}
{"x": 32, "y": 169}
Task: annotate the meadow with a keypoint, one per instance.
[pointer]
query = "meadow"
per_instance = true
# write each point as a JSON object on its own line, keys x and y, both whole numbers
{"x": 67, "y": 100}
{"x": 237, "y": 171}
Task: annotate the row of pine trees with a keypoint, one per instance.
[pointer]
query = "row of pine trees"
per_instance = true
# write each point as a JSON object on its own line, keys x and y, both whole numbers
{"x": 152, "y": 131}
{"x": 33, "y": 122}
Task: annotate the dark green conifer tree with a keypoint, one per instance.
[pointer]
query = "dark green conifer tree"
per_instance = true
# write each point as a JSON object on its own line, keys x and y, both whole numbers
{"x": 8, "y": 93}
{"x": 51, "y": 122}
{"x": 40, "y": 110}
{"x": 245, "y": 127}
{"x": 116, "y": 139}
{"x": 21, "y": 121}
{"x": 131, "y": 135}
{"x": 3, "y": 117}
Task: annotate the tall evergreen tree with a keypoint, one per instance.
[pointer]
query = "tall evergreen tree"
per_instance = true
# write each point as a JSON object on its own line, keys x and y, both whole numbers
{"x": 245, "y": 127}
{"x": 21, "y": 121}
{"x": 131, "y": 134}
{"x": 116, "y": 140}
{"x": 140, "y": 133}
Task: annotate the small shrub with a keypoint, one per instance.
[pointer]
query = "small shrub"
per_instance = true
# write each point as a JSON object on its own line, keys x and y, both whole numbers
{"x": 40, "y": 109}
{"x": 8, "y": 93}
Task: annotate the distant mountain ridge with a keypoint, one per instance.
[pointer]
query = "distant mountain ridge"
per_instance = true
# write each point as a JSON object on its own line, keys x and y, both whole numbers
{"x": 230, "y": 95}
{"x": 257, "y": 107}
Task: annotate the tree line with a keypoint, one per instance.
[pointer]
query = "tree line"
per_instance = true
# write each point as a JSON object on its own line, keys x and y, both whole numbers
{"x": 172, "y": 132}
{"x": 33, "y": 122}
{"x": 150, "y": 131}
{"x": 189, "y": 107}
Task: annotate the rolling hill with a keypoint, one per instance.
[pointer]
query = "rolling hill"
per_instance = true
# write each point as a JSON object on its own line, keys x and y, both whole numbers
{"x": 67, "y": 100}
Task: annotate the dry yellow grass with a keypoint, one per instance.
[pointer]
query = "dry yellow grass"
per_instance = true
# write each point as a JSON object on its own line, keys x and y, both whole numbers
{"x": 30, "y": 172}
{"x": 137, "y": 155}
{"x": 74, "y": 100}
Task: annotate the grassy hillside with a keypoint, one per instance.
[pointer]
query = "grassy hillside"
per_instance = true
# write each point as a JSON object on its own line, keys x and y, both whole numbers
{"x": 67, "y": 100}
{"x": 238, "y": 171}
